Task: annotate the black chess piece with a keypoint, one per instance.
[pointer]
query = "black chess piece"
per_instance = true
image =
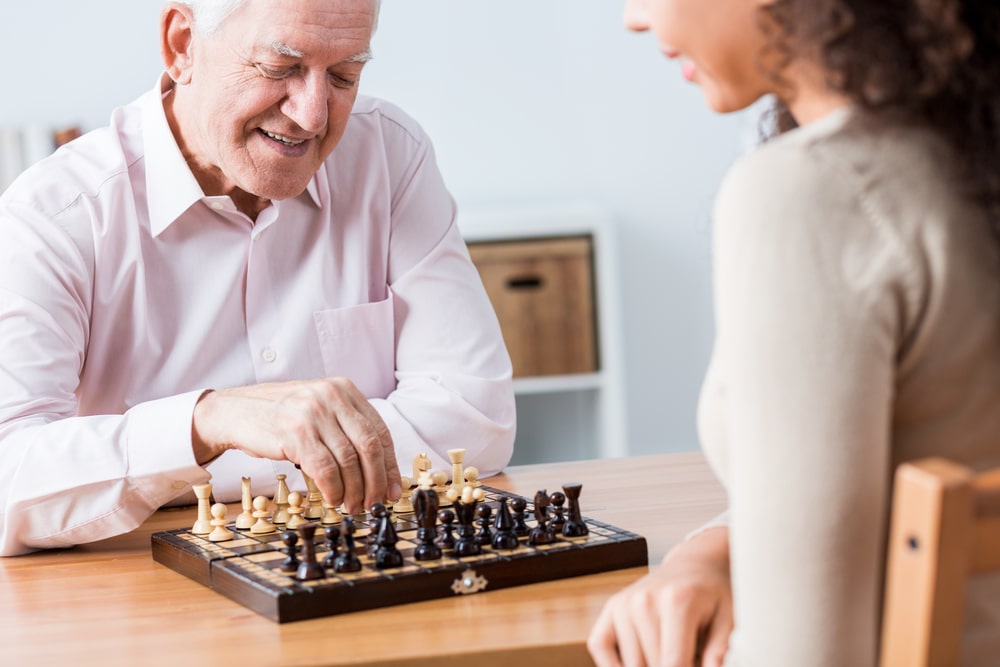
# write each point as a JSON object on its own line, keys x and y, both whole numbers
{"x": 447, "y": 518}
{"x": 333, "y": 544}
{"x": 425, "y": 509}
{"x": 291, "y": 563}
{"x": 541, "y": 534}
{"x": 485, "y": 536}
{"x": 519, "y": 505}
{"x": 308, "y": 569}
{"x": 557, "y": 500}
{"x": 386, "y": 553}
{"x": 466, "y": 544}
{"x": 505, "y": 538}
{"x": 575, "y": 526}
{"x": 371, "y": 541}
{"x": 347, "y": 560}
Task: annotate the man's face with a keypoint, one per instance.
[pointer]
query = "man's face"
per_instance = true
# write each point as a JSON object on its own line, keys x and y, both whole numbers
{"x": 270, "y": 94}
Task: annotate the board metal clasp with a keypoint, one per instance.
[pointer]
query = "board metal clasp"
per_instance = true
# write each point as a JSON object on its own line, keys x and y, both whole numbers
{"x": 469, "y": 582}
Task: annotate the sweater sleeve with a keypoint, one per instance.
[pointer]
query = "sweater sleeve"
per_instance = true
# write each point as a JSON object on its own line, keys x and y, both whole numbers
{"x": 807, "y": 319}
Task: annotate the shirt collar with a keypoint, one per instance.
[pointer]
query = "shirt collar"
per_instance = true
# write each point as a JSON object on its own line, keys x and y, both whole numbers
{"x": 171, "y": 188}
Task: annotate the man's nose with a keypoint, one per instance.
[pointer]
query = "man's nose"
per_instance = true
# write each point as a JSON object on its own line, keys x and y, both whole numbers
{"x": 307, "y": 103}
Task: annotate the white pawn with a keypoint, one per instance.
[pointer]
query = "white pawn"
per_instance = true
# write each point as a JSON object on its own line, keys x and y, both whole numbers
{"x": 245, "y": 519}
{"x": 330, "y": 515}
{"x": 472, "y": 476}
{"x": 295, "y": 511}
{"x": 220, "y": 533}
{"x": 203, "y": 526}
{"x": 405, "y": 503}
{"x": 260, "y": 513}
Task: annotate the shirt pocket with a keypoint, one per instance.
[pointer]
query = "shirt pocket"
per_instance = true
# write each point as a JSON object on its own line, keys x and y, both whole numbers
{"x": 358, "y": 342}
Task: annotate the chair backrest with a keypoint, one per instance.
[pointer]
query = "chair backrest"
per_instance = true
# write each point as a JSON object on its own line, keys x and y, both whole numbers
{"x": 945, "y": 526}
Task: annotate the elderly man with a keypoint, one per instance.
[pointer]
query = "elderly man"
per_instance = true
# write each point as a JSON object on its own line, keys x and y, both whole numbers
{"x": 252, "y": 267}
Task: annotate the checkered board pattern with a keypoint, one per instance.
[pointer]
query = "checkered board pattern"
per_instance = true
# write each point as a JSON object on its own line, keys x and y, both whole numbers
{"x": 247, "y": 568}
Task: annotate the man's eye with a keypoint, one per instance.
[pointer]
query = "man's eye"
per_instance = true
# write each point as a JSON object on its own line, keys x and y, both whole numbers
{"x": 274, "y": 72}
{"x": 341, "y": 81}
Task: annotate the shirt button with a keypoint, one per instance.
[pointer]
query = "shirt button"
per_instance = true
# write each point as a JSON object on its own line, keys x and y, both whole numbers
{"x": 269, "y": 355}
{"x": 179, "y": 485}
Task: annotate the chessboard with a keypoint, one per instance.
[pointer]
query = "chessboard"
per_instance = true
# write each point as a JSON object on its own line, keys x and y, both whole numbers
{"x": 252, "y": 569}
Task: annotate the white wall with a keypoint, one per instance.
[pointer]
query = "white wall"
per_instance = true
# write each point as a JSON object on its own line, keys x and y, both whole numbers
{"x": 528, "y": 101}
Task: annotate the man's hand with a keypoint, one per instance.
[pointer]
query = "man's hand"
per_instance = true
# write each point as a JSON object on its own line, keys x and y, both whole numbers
{"x": 326, "y": 426}
{"x": 679, "y": 615}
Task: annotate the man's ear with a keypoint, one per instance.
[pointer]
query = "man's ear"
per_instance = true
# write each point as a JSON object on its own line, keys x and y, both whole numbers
{"x": 176, "y": 41}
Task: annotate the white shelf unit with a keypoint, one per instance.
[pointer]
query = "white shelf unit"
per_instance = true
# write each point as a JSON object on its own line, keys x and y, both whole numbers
{"x": 578, "y": 416}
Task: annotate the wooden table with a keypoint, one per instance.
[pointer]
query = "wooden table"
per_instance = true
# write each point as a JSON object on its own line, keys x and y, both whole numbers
{"x": 108, "y": 603}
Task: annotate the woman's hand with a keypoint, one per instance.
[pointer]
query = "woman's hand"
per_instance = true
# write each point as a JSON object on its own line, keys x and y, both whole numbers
{"x": 680, "y": 613}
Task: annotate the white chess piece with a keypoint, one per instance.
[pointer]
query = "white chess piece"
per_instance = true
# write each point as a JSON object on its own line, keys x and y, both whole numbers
{"x": 219, "y": 533}
{"x": 203, "y": 525}
{"x": 245, "y": 519}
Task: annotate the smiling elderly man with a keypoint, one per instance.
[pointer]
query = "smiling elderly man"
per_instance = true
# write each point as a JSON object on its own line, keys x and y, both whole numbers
{"x": 252, "y": 267}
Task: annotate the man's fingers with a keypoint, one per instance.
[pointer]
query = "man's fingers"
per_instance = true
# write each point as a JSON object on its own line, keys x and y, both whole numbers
{"x": 603, "y": 642}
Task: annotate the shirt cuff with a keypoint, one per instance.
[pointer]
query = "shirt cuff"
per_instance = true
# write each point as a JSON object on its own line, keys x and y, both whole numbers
{"x": 161, "y": 460}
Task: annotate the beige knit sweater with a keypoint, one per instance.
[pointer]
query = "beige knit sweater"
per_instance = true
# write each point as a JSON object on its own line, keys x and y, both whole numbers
{"x": 857, "y": 296}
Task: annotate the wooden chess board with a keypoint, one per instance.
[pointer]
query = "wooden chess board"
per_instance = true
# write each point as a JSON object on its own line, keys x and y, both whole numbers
{"x": 246, "y": 568}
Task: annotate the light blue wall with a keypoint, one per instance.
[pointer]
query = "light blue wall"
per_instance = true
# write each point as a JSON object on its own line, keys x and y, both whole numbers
{"x": 528, "y": 101}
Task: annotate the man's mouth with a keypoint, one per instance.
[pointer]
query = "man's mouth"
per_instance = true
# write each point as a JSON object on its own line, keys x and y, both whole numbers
{"x": 283, "y": 139}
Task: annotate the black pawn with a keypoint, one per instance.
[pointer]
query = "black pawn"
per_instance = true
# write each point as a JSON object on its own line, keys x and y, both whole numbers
{"x": 332, "y": 543}
{"x": 466, "y": 544}
{"x": 447, "y": 518}
{"x": 485, "y": 536}
{"x": 575, "y": 526}
{"x": 291, "y": 562}
{"x": 519, "y": 505}
{"x": 558, "y": 499}
{"x": 505, "y": 537}
{"x": 347, "y": 560}
{"x": 309, "y": 569}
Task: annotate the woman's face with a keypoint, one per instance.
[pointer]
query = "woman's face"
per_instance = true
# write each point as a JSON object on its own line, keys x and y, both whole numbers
{"x": 718, "y": 42}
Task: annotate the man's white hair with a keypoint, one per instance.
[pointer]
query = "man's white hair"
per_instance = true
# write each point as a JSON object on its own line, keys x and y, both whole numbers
{"x": 210, "y": 14}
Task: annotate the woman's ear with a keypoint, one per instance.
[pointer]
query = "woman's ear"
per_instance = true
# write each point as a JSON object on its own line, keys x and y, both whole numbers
{"x": 176, "y": 41}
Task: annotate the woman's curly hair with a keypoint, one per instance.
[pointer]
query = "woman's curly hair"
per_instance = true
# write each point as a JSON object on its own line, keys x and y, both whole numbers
{"x": 936, "y": 61}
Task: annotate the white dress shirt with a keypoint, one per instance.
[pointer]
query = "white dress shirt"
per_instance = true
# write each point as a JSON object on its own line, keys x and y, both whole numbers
{"x": 125, "y": 292}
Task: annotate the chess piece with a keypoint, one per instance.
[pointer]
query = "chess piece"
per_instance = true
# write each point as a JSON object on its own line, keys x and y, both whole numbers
{"x": 309, "y": 569}
{"x": 203, "y": 525}
{"x": 472, "y": 476}
{"x": 447, "y": 518}
{"x": 519, "y": 505}
{"x": 330, "y": 515}
{"x": 425, "y": 507}
{"x": 557, "y": 499}
{"x": 421, "y": 464}
{"x": 219, "y": 533}
{"x": 405, "y": 503}
{"x": 505, "y": 538}
{"x": 485, "y": 536}
{"x": 347, "y": 560}
{"x": 291, "y": 563}
{"x": 575, "y": 526}
{"x": 386, "y": 554}
{"x": 332, "y": 544}
{"x": 262, "y": 526}
{"x": 295, "y": 511}
{"x": 245, "y": 519}
{"x": 314, "y": 498}
{"x": 440, "y": 480}
{"x": 465, "y": 512}
{"x": 281, "y": 502}
{"x": 541, "y": 534}
{"x": 456, "y": 456}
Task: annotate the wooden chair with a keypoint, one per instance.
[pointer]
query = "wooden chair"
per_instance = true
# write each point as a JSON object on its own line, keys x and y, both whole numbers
{"x": 945, "y": 526}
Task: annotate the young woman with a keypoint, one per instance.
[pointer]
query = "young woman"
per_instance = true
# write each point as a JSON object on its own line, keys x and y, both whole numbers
{"x": 857, "y": 296}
